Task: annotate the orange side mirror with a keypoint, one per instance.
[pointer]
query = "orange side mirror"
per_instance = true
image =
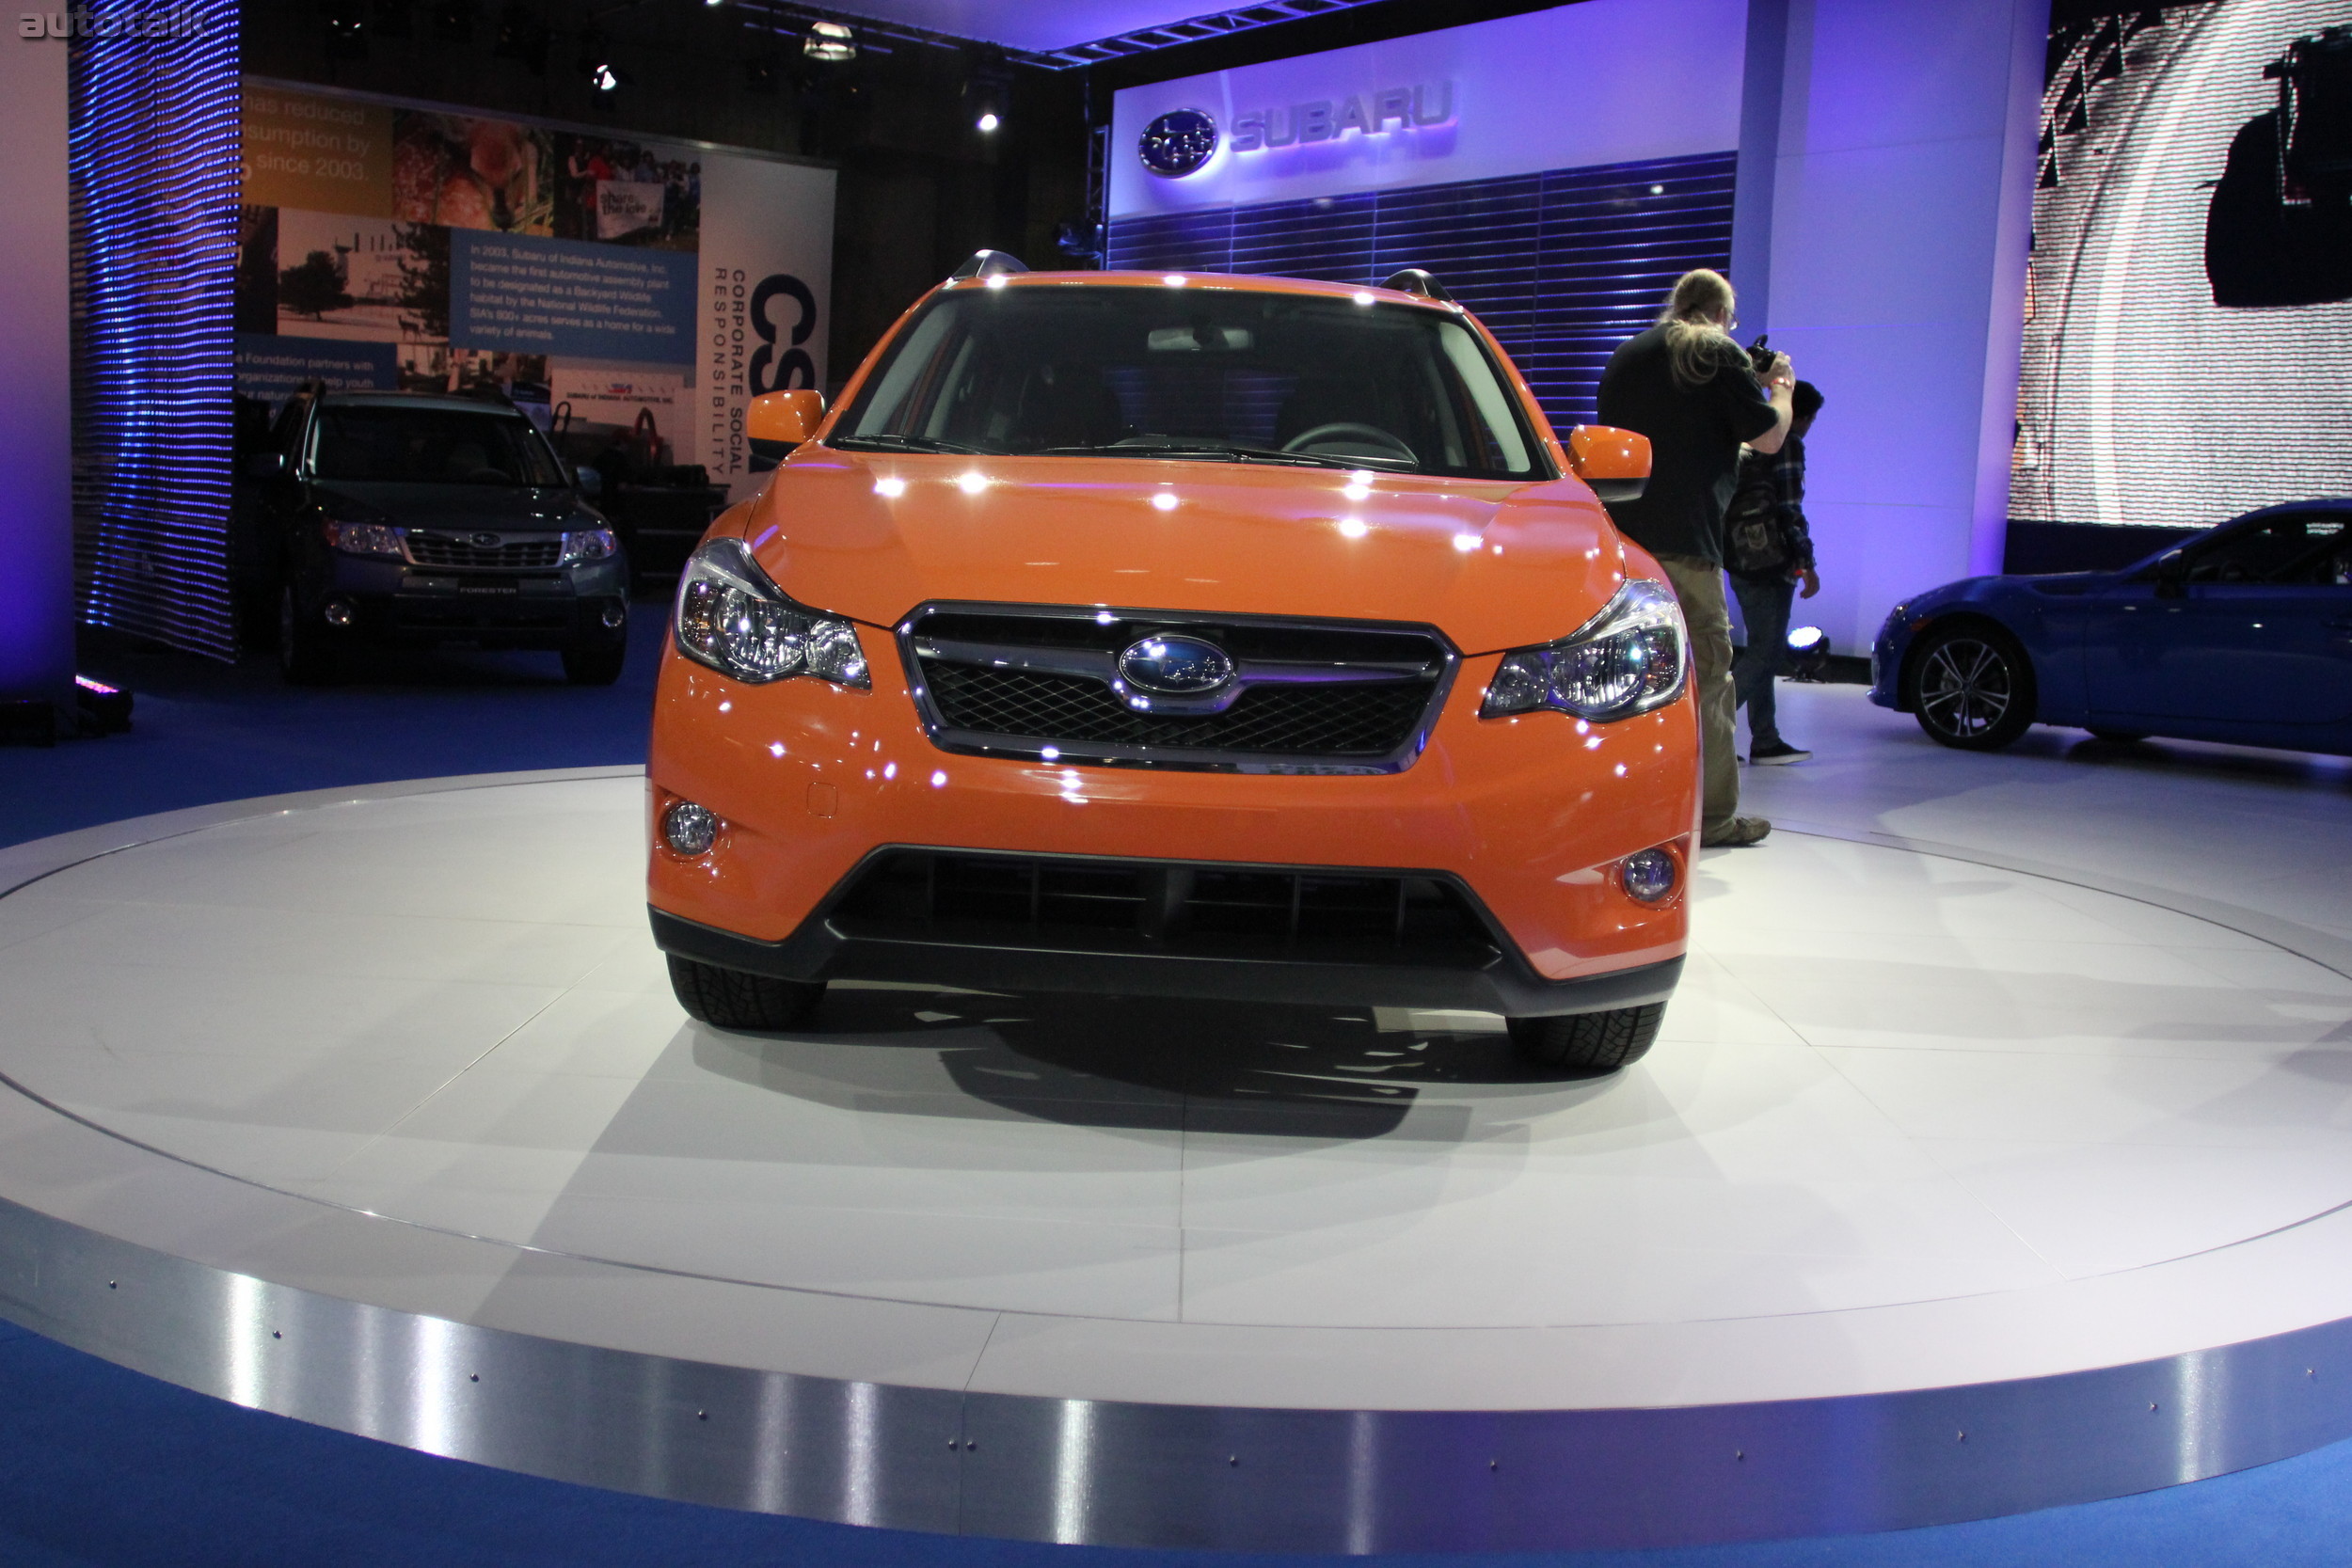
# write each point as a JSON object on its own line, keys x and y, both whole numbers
{"x": 1615, "y": 463}
{"x": 778, "y": 422}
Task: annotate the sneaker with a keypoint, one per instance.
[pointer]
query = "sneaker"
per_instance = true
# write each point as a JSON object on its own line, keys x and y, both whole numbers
{"x": 1737, "y": 834}
{"x": 1777, "y": 751}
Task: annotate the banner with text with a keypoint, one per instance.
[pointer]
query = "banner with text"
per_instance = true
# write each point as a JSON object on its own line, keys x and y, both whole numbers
{"x": 645, "y": 290}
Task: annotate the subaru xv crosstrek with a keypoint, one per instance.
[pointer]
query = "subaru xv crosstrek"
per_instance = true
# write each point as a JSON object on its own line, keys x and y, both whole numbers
{"x": 1181, "y": 635}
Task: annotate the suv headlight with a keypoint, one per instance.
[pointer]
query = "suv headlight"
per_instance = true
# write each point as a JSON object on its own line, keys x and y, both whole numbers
{"x": 1630, "y": 658}
{"x": 593, "y": 543}
{"x": 364, "y": 539}
{"x": 731, "y": 617}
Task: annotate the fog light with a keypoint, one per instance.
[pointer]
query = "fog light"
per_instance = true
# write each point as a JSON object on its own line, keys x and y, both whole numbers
{"x": 340, "y": 613}
{"x": 1648, "y": 875}
{"x": 615, "y": 612}
{"x": 690, "y": 829}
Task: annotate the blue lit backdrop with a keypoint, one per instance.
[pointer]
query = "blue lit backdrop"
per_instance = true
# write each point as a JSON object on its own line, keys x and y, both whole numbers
{"x": 154, "y": 165}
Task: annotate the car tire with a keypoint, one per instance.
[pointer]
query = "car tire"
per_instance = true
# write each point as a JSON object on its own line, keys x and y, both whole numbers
{"x": 730, "y": 999}
{"x": 1589, "y": 1042}
{"x": 2116, "y": 738}
{"x": 596, "y": 663}
{"x": 305, "y": 656}
{"x": 1972, "y": 687}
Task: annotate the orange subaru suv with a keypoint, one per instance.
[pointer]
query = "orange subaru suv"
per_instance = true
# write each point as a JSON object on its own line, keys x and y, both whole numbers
{"x": 1183, "y": 636}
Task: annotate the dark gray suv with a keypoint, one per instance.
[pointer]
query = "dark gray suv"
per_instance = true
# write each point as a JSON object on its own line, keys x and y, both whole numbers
{"x": 408, "y": 520}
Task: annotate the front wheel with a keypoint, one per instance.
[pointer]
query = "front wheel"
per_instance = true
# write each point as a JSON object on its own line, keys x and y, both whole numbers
{"x": 1972, "y": 688}
{"x": 730, "y": 999}
{"x": 1589, "y": 1042}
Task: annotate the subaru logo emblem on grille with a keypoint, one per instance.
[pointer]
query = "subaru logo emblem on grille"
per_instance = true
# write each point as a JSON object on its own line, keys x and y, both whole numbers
{"x": 485, "y": 541}
{"x": 1175, "y": 666}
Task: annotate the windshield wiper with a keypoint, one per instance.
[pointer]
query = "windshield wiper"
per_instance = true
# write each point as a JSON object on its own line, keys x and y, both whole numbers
{"x": 903, "y": 443}
{"x": 1224, "y": 454}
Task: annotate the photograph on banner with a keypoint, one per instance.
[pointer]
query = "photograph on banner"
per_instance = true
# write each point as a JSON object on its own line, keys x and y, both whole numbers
{"x": 654, "y": 287}
{"x": 627, "y": 192}
{"x": 340, "y": 276}
{"x": 469, "y": 173}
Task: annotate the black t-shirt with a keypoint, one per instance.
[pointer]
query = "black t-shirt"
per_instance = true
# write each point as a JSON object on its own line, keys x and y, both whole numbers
{"x": 1694, "y": 433}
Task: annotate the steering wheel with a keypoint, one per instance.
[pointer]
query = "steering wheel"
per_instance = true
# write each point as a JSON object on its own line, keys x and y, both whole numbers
{"x": 1369, "y": 435}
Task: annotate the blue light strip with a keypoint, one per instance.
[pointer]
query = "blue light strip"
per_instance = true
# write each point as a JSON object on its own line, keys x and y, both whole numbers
{"x": 1562, "y": 266}
{"x": 154, "y": 162}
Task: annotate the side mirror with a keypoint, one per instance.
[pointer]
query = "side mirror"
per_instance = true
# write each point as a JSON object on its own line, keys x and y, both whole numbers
{"x": 1615, "y": 463}
{"x": 265, "y": 465}
{"x": 587, "y": 480}
{"x": 778, "y": 422}
{"x": 2172, "y": 576}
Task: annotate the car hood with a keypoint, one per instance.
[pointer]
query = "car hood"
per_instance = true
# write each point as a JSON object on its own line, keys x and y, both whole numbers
{"x": 462, "y": 507}
{"x": 1492, "y": 565}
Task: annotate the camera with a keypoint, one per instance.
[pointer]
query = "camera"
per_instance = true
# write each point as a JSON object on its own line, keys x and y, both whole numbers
{"x": 1760, "y": 356}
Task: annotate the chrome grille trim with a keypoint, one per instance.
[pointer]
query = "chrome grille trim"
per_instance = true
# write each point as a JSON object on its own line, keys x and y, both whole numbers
{"x": 1072, "y": 665}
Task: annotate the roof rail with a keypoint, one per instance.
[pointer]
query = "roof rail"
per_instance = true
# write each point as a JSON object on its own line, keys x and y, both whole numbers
{"x": 986, "y": 263}
{"x": 1413, "y": 280}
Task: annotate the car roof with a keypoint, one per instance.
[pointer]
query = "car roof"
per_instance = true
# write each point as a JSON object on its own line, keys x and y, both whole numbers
{"x": 1242, "y": 282}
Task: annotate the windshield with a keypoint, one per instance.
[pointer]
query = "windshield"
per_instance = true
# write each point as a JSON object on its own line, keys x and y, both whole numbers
{"x": 429, "y": 446}
{"x": 1216, "y": 373}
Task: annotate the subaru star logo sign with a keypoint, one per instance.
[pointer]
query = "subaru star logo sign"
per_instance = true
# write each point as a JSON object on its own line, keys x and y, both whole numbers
{"x": 1175, "y": 666}
{"x": 1178, "y": 143}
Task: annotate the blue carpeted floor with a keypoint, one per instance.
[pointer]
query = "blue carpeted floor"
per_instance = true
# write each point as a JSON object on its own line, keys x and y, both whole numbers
{"x": 103, "y": 1467}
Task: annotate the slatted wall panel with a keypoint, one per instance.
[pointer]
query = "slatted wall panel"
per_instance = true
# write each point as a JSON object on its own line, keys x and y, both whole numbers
{"x": 1562, "y": 266}
{"x": 153, "y": 155}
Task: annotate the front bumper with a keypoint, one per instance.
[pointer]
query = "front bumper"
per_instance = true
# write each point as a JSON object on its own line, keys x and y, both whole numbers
{"x": 823, "y": 949}
{"x": 1530, "y": 814}
{"x": 396, "y": 604}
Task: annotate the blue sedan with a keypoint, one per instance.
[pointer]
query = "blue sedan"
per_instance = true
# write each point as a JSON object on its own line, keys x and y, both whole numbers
{"x": 2240, "y": 634}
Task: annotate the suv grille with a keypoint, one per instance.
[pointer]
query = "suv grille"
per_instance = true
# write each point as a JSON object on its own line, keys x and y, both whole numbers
{"x": 1302, "y": 697}
{"x": 512, "y": 555}
{"x": 1080, "y": 904}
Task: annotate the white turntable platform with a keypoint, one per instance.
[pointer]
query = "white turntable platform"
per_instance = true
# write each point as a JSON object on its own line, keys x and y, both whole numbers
{"x": 1913, "y": 1122}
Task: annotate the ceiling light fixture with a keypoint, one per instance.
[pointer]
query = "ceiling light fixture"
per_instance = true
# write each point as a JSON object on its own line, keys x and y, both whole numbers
{"x": 831, "y": 41}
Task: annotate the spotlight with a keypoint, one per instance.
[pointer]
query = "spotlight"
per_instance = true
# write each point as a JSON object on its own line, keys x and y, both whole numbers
{"x": 100, "y": 708}
{"x": 831, "y": 41}
{"x": 988, "y": 122}
{"x": 1808, "y": 653}
{"x": 595, "y": 63}
{"x": 346, "y": 28}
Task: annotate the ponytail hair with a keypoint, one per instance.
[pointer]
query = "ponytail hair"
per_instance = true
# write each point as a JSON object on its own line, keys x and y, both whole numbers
{"x": 1695, "y": 346}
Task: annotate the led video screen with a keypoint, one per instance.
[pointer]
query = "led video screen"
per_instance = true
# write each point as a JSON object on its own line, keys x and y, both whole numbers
{"x": 2188, "y": 311}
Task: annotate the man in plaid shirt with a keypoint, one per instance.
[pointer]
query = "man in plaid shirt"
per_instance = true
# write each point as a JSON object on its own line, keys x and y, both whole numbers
{"x": 1769, "y": 552}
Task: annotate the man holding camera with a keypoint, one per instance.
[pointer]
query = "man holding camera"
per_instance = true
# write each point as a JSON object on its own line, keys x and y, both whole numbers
{"x": 1696, "y": 394}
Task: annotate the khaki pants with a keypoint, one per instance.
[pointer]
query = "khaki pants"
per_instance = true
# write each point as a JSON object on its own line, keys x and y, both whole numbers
{"x": 1699, "y": 585}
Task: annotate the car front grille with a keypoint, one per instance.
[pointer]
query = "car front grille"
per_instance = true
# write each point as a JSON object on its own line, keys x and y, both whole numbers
{"x": 1203, "y": 910}
{"x": 507, "y": 555}
{"x": 1303, "y": 697}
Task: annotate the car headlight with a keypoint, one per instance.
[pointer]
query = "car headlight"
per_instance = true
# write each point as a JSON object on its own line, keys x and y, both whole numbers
{"x": 364, "y": 539}
{"x": 593, "y": 543}
{"x": 731, "y": 617}
{"x": 1630, "y": 658}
